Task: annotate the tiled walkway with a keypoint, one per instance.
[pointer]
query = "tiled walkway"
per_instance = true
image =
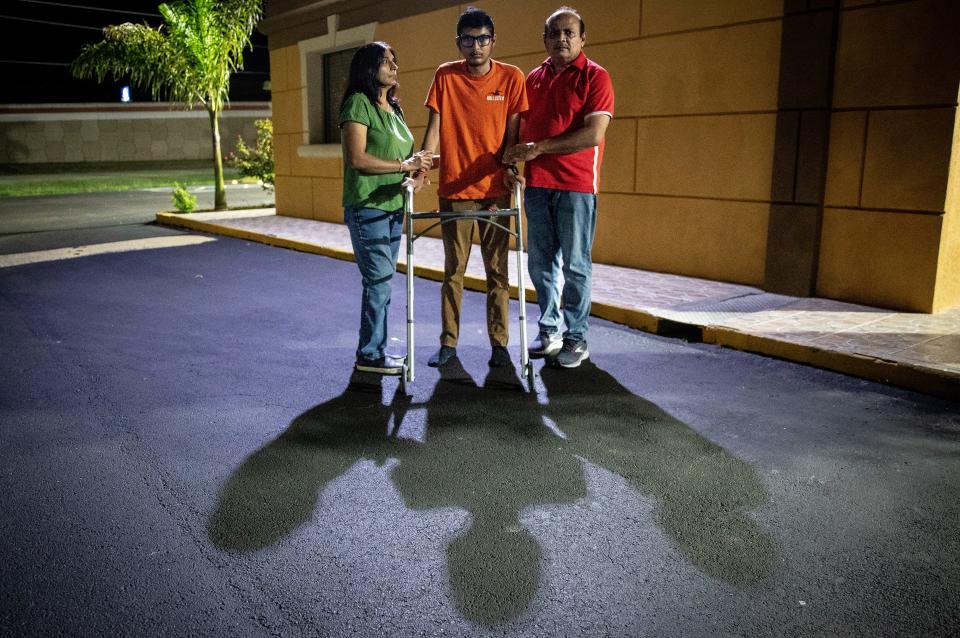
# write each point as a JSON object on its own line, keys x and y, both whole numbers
{"x": 916, "y": 351}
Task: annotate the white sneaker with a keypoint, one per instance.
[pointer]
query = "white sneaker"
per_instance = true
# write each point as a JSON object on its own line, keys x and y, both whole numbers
{"x": 384, "y": 365}
{"x": 545, "y": 346}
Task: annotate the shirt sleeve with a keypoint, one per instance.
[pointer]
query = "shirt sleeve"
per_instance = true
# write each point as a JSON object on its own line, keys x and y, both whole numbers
{"x": 518, "y": 86}
{"x": 600, "y": 95}
{"x": 356, "y": 109}
{"x": 434, "y": 94}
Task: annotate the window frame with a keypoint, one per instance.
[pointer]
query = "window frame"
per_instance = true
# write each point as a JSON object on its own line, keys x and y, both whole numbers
{"x": 312, "y": 81}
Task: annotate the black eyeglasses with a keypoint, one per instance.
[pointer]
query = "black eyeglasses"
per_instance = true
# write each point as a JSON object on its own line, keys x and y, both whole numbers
{"x": 469, "y": 40}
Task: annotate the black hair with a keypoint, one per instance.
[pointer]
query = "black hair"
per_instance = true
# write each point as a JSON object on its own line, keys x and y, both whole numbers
{"x": 364, "y": 68}
{"x": 561, "y": 11}
{"x": 474, "y": 18}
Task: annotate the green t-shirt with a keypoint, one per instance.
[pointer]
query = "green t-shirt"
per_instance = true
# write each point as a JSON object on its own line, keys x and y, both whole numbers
{"x": 387, "y": 138}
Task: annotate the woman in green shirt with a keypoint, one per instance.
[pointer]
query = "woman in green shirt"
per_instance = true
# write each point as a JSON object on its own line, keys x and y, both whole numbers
{"x": 375, "y": 142}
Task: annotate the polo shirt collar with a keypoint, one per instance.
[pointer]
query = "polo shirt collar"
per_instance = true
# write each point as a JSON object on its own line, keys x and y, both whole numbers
{"x": 579, "y": 63}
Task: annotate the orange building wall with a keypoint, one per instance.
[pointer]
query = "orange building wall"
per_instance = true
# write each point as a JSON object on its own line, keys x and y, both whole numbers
{"x": 307, "y": 186}
{"x": 676, "y": 191}
{"x": 691, "y": 158}
{"x": 890, "y": 238}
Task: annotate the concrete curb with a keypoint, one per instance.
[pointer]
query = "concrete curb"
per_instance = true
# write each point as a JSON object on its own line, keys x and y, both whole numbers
{"x": 925, "y": 380}
{"x": 185, "y": 221}
{"x": 895, "y": 373}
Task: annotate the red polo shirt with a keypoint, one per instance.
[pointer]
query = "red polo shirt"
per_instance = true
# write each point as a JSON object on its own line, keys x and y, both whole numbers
{"x": 559, "y": 102}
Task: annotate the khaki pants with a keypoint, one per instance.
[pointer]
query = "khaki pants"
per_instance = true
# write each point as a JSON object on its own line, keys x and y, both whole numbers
{"x": 494, "y": 247}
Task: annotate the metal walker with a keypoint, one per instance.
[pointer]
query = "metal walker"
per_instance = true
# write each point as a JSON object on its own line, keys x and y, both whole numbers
{"x": 408, "y": 373}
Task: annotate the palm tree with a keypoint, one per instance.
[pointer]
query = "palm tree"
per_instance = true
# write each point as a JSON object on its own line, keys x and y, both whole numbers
{"x": 188, "y": 59}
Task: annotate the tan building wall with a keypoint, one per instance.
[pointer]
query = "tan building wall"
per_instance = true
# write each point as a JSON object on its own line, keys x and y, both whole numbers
{"x": 77, "y": 133}
{"x": 890, "y": 233}
{"x": 792, "y": 145}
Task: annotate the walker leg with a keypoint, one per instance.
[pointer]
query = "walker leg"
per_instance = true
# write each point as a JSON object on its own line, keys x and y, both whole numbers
{"x": 408, "y": 371}
{"x": 525, "y": 364}
{"x": 403, "y": 380}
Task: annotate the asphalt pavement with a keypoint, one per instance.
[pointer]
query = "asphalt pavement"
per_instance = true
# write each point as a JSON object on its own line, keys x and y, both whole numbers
{"x": 75, "y": 212}
{"x": 186, "y": 451}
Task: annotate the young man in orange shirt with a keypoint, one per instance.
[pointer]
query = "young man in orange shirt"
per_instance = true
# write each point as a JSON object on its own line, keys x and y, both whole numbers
{"x": 475, "y": 105}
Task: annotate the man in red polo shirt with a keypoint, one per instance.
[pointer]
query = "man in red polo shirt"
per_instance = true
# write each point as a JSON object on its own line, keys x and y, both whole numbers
{"x": 571, "y": 104}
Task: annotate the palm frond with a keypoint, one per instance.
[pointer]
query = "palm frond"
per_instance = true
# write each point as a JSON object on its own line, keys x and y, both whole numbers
{"x": 188, "y": 59}
{"x": 127, "y": 50}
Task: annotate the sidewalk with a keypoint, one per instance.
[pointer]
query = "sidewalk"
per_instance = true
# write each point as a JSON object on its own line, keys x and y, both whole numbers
{"x": 915, "y": 351}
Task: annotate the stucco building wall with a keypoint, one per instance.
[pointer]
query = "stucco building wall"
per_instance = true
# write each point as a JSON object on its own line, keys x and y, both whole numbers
{"x": 807, "y": 147}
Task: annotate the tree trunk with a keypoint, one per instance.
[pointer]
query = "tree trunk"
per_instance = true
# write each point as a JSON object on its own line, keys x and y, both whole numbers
{"x": 220, "y": 191}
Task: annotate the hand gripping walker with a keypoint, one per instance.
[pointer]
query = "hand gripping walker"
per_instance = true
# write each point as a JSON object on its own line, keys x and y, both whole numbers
{"x": 489, "y": 217}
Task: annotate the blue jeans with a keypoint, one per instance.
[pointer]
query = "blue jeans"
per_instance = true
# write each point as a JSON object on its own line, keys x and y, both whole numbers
{"x": 375, "y": 235}
{"x": 560, "y": 231}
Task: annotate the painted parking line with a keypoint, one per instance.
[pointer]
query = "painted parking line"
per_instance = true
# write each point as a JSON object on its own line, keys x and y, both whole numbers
{"x": 73, "y": 252}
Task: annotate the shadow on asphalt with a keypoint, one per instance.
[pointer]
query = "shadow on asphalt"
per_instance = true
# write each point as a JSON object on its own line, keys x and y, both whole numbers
{"x": 496, "y": 451}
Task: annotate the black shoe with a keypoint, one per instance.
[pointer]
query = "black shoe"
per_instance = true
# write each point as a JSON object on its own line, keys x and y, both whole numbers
{"x": 441, "y": 356}
{"x": 500, "y": 358}
{"x": 383, "y": 365}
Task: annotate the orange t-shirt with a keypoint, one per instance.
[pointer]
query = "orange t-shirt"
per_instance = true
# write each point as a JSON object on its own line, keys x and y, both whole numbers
{"x": 473, "y": 119}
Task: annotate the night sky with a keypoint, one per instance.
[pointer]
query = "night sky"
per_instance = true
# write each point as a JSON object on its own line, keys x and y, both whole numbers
{"x": 39, "y": 38}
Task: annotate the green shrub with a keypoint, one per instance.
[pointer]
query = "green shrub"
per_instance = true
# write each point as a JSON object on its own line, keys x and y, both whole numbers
{"x": 183, "y": 200}
{"x": 256, "y": 162}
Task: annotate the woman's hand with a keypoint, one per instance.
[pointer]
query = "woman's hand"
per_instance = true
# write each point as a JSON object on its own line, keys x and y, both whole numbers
{"x": 418, "y": 180}
{"x": 419, "y": 161}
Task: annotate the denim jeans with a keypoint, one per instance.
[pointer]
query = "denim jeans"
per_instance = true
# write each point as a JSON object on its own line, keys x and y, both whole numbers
{"x": 375, "y": 235}
{"x": 560, "y": 230}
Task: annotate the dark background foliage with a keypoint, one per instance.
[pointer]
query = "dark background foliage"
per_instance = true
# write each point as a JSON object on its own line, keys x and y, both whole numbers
{"x": 39, "y": 39}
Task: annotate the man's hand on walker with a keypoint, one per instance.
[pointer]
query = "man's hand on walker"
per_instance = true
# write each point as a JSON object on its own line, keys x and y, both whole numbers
{"x": 521, "y": 153}
{"x": 512, "y": 177}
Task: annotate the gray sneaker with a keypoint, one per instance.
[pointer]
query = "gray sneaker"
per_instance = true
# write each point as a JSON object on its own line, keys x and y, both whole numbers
{"x": 545, "y": 345}
{"x": 573, "y": 353}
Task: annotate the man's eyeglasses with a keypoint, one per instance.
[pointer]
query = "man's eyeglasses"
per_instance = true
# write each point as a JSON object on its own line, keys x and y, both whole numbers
{"x": 469, "y": 40}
